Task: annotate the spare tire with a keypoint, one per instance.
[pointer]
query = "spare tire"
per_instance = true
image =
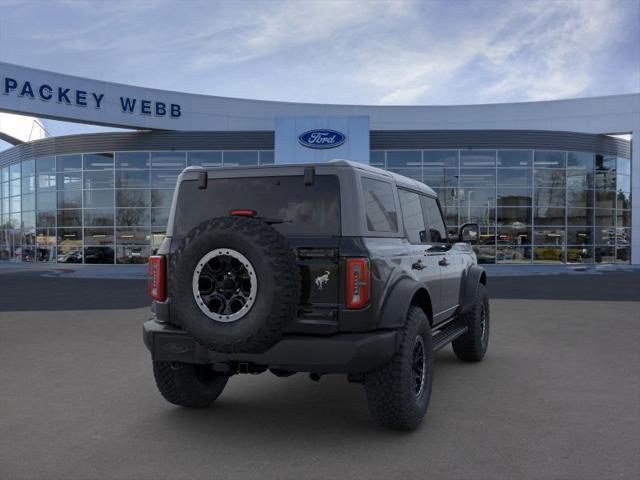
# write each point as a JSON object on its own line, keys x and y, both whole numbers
{"x": 235, "y": 284}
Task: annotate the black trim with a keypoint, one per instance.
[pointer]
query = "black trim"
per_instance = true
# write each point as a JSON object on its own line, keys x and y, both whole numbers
{"x": 499, "y": 139}
{"x": 265, "y": 140}
{"x": 138, "y": 141}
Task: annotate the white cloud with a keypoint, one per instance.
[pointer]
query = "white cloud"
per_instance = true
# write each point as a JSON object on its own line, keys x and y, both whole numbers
{"x": 293, "y": 24}
{"x": 532, "y": 52}
{"x": 553, "y": 55}
{"x": 344, "y": 51}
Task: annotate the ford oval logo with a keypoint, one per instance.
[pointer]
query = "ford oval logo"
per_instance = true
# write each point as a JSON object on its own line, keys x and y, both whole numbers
{"x": 322, "y": 138}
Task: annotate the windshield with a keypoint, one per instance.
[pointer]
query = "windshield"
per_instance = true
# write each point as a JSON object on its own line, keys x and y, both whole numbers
{"x": 303, "y": 209}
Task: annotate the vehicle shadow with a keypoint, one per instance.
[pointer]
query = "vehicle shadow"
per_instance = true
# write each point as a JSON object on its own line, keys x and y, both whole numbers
{"x": 278, "y": 410}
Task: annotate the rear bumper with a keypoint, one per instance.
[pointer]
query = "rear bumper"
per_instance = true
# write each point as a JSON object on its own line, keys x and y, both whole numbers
{"x": 340, "y": 353}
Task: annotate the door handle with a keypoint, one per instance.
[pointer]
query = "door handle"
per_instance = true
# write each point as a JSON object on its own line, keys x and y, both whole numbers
{"x": 418, "y": 265}
{"x": 444, "y": 262}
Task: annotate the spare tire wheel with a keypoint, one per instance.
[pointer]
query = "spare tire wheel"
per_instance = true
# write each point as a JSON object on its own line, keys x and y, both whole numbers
{"x": 236, "y": 284}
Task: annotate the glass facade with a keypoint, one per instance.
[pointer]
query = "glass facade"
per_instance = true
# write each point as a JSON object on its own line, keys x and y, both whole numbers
{"x": 105, "y": 207}
{"x": 533, "y": 206}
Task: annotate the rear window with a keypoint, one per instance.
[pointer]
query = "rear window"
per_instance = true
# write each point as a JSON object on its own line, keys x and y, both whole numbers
{"x": 305, "y": 209}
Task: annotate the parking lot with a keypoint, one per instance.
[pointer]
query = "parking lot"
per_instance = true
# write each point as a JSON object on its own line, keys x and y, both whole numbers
{"x": 558, "y": 395}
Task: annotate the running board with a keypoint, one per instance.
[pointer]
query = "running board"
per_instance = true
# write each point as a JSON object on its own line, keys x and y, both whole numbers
{"x": 447, "y": 334}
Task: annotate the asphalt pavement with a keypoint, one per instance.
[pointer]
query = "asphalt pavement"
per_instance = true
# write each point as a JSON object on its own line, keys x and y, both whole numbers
{"x": 557, "y": 397}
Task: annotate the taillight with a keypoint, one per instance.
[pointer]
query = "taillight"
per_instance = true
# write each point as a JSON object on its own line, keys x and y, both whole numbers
{"x": 157, "y": 281}
{"x": 358, "y": 282}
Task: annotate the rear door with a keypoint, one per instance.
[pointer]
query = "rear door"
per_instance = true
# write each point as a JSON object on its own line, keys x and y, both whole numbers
{"x": 424, "y": 267}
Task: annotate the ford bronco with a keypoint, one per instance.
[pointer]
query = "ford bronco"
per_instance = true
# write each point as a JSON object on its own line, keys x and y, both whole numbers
{"x": 323, "y": 268}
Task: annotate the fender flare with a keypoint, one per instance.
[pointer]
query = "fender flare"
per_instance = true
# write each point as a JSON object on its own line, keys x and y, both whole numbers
{"x": 473, "y": 277}
{"x": 399, "y": 299}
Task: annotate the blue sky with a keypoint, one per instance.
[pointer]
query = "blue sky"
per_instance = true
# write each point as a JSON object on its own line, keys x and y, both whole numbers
{"x": 362, "y": 52}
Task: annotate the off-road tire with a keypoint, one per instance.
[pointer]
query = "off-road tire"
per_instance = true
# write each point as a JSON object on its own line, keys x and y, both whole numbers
{"x": 188, "y": 385}
{"x": 390, "y": 391}
{"x": 277, "y": 273}
{"x": 472, "y": 346}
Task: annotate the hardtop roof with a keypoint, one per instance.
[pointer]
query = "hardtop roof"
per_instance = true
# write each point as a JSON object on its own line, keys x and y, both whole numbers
{"x": 399, "y": 180}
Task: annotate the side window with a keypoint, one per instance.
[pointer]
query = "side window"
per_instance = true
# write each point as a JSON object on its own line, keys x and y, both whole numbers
{"x": 380, "y": 206}
{"x": 433, "y": 219}
{"x": 412, "y": 216}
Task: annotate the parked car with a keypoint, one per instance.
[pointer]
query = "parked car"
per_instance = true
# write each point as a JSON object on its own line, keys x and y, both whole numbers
{"x": 324, "y": 268}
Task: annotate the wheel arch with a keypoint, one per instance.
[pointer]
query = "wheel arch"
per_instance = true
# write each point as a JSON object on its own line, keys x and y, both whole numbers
{"x": 401, "y": 297}
{"x": 422, "y": 299}
{"x": 473, "y": 277}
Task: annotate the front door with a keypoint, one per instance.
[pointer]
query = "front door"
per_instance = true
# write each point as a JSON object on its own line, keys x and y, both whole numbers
{"x": 441, "y": 253}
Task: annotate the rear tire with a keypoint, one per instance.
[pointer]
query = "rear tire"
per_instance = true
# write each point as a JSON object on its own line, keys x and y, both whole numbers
{"x": 398, "y": 394}
{"x": 472, "y": 346}
{"x": 188, "y": 385}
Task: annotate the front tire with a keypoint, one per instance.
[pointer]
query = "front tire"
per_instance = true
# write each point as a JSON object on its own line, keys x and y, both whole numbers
{"x": 472, "y": 346}
{"x": 188, "y": 385}
{"x": 398, "y": 394}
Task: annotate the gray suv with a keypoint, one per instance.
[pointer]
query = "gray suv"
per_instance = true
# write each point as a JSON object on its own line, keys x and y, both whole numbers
{"x": 323, "y": 268}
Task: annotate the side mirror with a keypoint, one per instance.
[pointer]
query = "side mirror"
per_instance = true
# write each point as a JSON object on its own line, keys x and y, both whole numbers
{"x": 469, "y": 233}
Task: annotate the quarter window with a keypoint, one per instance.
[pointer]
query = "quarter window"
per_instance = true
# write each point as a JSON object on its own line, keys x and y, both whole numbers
{"x": 380, "y": 206}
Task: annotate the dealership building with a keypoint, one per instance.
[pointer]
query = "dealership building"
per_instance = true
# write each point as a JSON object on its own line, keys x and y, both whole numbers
{"x": 548, "y": 182}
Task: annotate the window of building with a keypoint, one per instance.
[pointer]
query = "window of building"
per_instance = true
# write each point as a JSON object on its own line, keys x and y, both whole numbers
{"x": 44, "y": 165}
{"x": 98, "y": 179}
{"x": 70, "y": 199}
{"x": 440, "y": 158}
{"x": 477, "y": 158}
{"x": 583, "y": 160}
{"x": 549, "y": 159}
{"x": 97, "y": 161}
{"x": 164, "y": 178}
{"x": 98, "y": 198}
{"x": 515, "y": 158}
{"x": 133, "y": 160}
{"x": 404, "y": 158}
{"x": 168, "y": 160}
{"x": 132, "y": 197}
{"x": 204, "y": 159}
{"x": 68, "y": 162}
{"x": 132, "y": 179}
{"x": 28, "y": 168}
{"x": 234, "y": 159}
{"x": 377, "y": 158}
{"x": 98, "y": 217}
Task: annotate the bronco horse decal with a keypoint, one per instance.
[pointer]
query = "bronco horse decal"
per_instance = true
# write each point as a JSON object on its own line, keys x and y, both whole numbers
{"x": 322, "y": 280}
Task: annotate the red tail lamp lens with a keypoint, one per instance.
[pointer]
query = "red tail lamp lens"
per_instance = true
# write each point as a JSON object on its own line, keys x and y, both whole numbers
{"x": 358, "y": 282}
{"x": 157, "y": 281}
